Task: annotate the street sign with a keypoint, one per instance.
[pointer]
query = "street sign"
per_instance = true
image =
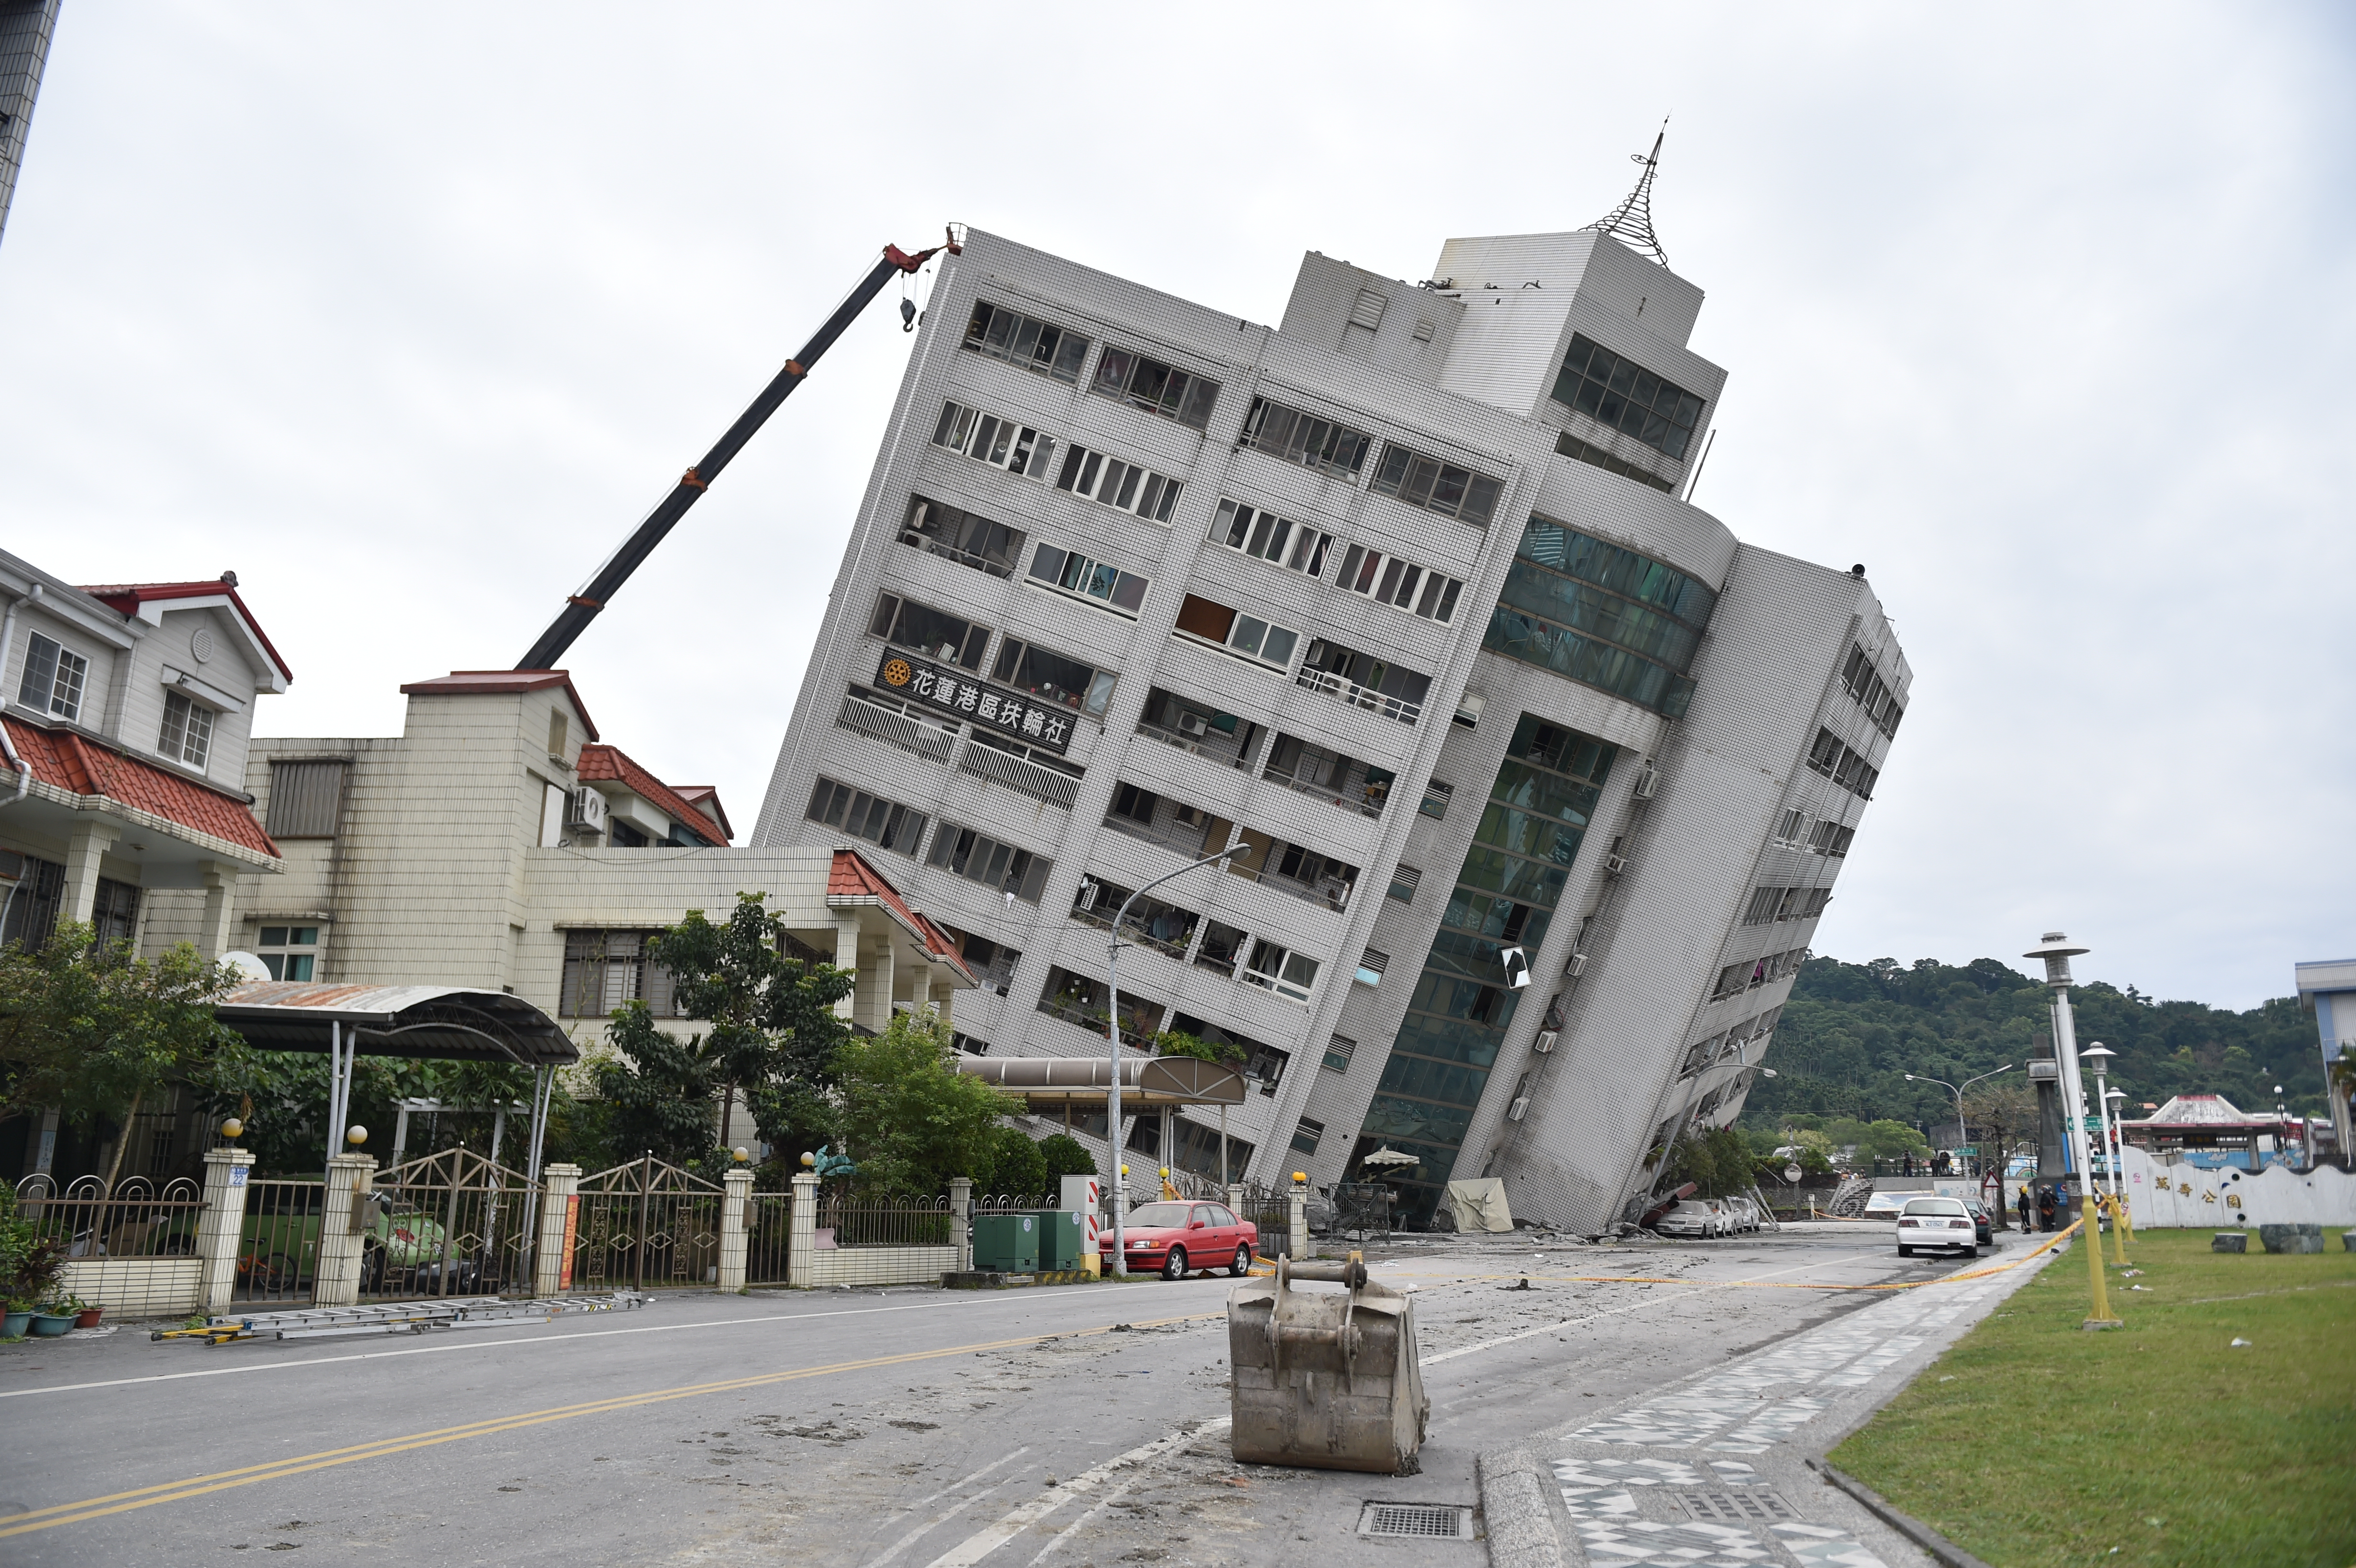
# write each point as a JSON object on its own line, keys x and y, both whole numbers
{"x": 2093, "y": 1123}
{"x": 1791, "y": 1173}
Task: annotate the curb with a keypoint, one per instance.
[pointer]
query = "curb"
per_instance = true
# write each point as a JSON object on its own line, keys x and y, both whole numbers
{"x": 1519, "y": 1525}
{"x": 1941, "y": 1551}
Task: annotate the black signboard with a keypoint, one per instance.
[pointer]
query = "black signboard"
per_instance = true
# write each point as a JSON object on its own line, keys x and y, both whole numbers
{"x": 954, "y": 692}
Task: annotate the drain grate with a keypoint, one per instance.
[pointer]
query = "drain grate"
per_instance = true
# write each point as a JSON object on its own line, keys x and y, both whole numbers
{"x": 1737, "y": 1507}
{"x": 1419, "y": 1522}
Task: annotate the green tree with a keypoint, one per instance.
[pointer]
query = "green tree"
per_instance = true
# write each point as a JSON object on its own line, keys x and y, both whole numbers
{"x": 94, "y": 1029}
{"x": 657, "y": 1089}
{"x": 1066, "y": 1155}
{"x": 1717, "y": 1161}
{"x": 1176, "y": 1043}
{"x": 909, "y": 1118}
{"x": 1016, "y": 1165}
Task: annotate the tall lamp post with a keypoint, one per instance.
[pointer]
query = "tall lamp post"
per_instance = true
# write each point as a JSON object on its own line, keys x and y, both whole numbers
{"x": 2057, "y": 950}
{"x": 1958, "y": 1093}
{"x": 1112, "y": 1043}
{"x": 2098, "y": 1056}
{"x": 2113, "y": 1105}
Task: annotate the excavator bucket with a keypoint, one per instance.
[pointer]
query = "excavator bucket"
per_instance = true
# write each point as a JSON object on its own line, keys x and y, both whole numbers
{"x": 1326, "y": 1379}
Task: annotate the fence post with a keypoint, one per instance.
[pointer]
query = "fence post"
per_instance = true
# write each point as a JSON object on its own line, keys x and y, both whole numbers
{"x": 220, "y": 1228}
{"x": 800, "y": 1266}
{"x": 961, "y": 1221}
{"x": 736, "y": 1191}
{"x": 551, "y": 1256}
{"x": 339, "y": 1244}
{"x": 1236, "y": 1196}
{"x": 1298, "y": 1202}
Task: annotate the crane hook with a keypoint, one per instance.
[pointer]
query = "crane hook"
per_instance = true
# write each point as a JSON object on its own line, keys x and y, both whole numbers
{"x": 907, "y": 313}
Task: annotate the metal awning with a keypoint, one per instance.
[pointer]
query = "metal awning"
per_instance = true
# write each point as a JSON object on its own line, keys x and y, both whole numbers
{"x": 1146, "y": 1082}
{"x": 446, "y": 1023}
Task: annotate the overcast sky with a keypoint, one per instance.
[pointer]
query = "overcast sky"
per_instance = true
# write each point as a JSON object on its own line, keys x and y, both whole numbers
{"x": 2043, "y": 313}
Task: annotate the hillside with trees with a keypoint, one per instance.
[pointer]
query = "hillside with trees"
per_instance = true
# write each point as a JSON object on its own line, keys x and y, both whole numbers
{"x": 1852, "y": 1031}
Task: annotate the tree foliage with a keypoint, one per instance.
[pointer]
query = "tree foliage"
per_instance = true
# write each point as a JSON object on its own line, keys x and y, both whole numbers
{"x": 1219, "y": 1053}
{"x": 1016, "y": 1165}
{"x": 282, "y": 1098}
{"x": 1066, "y": 1155}
{"x": 910, "y": 1119}
{"x": 1718, "y": 1162}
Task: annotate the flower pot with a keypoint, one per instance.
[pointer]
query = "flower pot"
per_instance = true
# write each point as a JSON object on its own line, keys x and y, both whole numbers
{"x": 50, "y": 1324}
{"x": 15, "y": 1326}
{"x": 88, "y": 1317}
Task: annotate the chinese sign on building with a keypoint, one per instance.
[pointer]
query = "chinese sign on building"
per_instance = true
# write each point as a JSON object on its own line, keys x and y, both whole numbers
{"x": 950, "y": 692}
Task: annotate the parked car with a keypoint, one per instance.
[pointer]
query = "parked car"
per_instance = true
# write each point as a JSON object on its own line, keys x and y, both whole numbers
{"x": 1983, "y": 1222}
{"x": 1744, "y": 1211}
{"x": 1936, "y": 1224}
{"x": 1887, "y": 1205}
{"x": 1179, "y": 1238}
{"x": 1703, "y": 1218}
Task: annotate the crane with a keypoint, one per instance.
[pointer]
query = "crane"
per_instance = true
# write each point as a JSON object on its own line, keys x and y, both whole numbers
{"x": 581, "y": 608}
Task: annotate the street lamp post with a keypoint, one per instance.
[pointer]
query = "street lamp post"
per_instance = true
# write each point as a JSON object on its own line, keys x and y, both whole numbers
{"x": 1958, "y": 1093}
{"x": 1112, "y": 1040}
{"x": 2057, "y": 950}
{"x": 2099, "y": 1056}
{"x": 2123, "y": 1224}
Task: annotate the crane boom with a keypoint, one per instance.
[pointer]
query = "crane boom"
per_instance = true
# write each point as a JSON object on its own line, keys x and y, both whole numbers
{"x": 581, "y": 608}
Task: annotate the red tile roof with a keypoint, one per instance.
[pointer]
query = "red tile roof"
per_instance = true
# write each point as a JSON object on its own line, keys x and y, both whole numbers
{"x": 705, "y": 798}
{"x": 66, "y": 761}
{"x": 125, "y": 597}
{"x": 503, "y": 682}
{"x": 852, "y": 876}
{"x": 613, "y": 763}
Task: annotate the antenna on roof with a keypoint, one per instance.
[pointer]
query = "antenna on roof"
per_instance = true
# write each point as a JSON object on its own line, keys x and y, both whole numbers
{"x": 1632, "y": 221}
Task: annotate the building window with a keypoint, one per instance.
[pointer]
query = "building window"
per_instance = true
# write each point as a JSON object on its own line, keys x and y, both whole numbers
{"x": 1371, "y": 964}
{"x": 1435, "y": 800}
{"x": 1296, "y": 437}
{"x": 1790, "y": 829}
{"x": 1569, "y": 445}
{"x": 1867, "y": 689}
{"x": 1417, "y": 590}
{"x": 1437, "y": 487}
{"x": 937, "y": 633}
{"x": 54, "y": 677}
{"x": 993, "y": 439}
{"x": 289, "y": 952}
{"x": 188, "y": 735}
{"x": 1029, "y": 667}
{"x": 1403, "y": 883}
{"x": 1000, "y": 333}
{"x": 882, "y": 823}
{"x": 1305, "y": 1135}
{"x": 1831, "y": 839}
{"x": 1281, "y": 970}
{"x": 1069, "y": 572}
{"x": 1839, "y": 763}
{"x": 992, "y": 963}
{"x": 967, "y": 537}
{"x": 608, "y": 969}
{"x": 1338, "y": 1051}
{"x": 1619, "y": 395}
{"x": 1770, "y": 905}
{"x": 1602, "y": 616}
{"x": 1123, "y": 486}
{"x": 1238, "y": 633}
{"x": 999, "y": 867}
{"x": 1364, "y": 681}
{"x": 1156, "y": 388}
{"x": 1274, "y": 539}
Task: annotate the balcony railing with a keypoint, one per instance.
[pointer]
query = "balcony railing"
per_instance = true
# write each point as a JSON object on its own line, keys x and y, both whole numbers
{"x": 1358, "y": 695}
{"x": 1171, "y": 834}
{"x": 1352, "y": 791}
{"x": 1020, "y": 775}
{"x": 896, "y": 729}
{"x": 997, "y": 975}
{"x": 1332, "y": 892}
{"x": 1137, "y": 930}
{"x": 932, "y": 545}
{"x": 1093, "y": 1021}
{"x": 1215, "y": 744}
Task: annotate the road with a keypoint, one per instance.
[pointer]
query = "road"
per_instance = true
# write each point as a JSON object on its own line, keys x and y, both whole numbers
{"x": 896, "y": 1429}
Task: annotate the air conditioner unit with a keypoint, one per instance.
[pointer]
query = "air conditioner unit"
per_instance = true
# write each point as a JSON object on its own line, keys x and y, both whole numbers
{"x": 1577, "y": 966}
{"x": 585, "y": 807}
{"x": 1468, "y": 709}
{"x": 1613, "y": 865}
{"x": 1193, "y": 724}
{"x": 1545, "y": 1041}
{"x": 1514, "y": 1111}
{"x": 1647, "y": 782}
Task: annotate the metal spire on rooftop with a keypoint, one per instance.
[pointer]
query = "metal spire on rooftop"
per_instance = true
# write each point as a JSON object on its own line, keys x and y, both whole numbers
{"x": 1631, "y": 221}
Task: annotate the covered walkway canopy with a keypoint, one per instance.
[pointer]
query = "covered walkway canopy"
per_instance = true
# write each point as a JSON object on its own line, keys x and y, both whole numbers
{"x": 1084, "y": 1082}
{"x": 442, "y": 1023}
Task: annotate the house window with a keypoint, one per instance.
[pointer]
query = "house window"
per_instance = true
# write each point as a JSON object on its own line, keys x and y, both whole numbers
{"x": 1790, "y": 829}
{"x": 944, "y": 636}
{"x": 114, "y": 912}
{"x": 1435, "y": 800}
{"x": 885, "y": 824}
{"x": 998, "y": 866}
{"x": 608, "y": 969}
{"x": 1569, "y": 445}
{"x": 1156, "y": 388}
{"x": 1338, "y": 1051}
{"x": 1403, "y": 883}
{"x": 967, "y": 537}
{"x": 1305, "y": 1135}
{"x": 1069, "y": 572}
{"x": 188, "y": 735}
{"x": 1240, "y": 634}
{"x": 1830, "y": 757}
{"x": 1867, "y": 691}
{"x": 1029, "y": 667}
{"x": 1135, "y": 802}
{"x": 54, "y": 677}
{"x": 1619, "y": 395}
{"x": 289, "y": 952}
{"x": 1296, "y": 437}
{"x": 1831, "y": 839}
{"x": 1001, "y": 334}
{"x": 1124, "y": 486}
{"x": 1437, "y": 487}
{"x": 1274, "y": 539}
{"x": 1371, "y": 965}
{"x": 1417, "y": 590}
{"x": 993, "y": 439}
{"x": 1281, "y": 970}
{"x": 306, "y": 797}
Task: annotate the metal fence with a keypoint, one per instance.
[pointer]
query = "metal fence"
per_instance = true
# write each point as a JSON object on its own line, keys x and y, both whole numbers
{"x": 138, "y": 1237}
{"x": 882, "y": 1222}
{"x": 452, "y": 1223}
{"x": 768, "y": 1238}
{"x": 644, "y": 1224}
{"x": 1270, "y": 1208}
{"x": 278, "y": 1248}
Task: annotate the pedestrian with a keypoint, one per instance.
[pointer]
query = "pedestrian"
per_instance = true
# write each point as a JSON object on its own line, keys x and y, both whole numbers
{"x": 2025, "y": 1207}
{"x": 2045, "y": 1208}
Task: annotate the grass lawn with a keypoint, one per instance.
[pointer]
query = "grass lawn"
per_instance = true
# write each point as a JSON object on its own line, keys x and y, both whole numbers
{"x": 2033, "y": 1443}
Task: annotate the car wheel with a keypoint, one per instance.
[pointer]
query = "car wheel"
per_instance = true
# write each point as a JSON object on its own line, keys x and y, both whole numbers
{"x": 1175, "y": 1265}
{"x": 1905, "y": 1252}
{"x": 1971, "y": 1252}
{"x": 1242, "y": 1265}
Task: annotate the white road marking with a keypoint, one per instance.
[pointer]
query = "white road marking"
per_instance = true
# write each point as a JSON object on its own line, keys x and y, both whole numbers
{"x": 1695, "y": 1288}
{"x": 976, "y": 1547}
{"x": 1066, "y": 1533}
{"x": 935, "y": 1523}
{"x": 953, "y": 1485}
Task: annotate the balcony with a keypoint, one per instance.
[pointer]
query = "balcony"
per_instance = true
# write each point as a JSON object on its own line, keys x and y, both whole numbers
{"x": 1321, "y": 774}
{"x": 1303, "y": 872}
{"x": 1079, "y": 1000}
{"x": 1019, "y": 774}
{"x": 887, "y": 721}
{"x": 1358, "y": 695}
{"x": 1164, "y": 927}
{"x": 962, "y": 537}
{"x": 1199, "y": 728}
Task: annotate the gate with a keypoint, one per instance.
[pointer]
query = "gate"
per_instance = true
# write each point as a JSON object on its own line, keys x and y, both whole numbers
{"x": 452, "y": 1223}
{"x": 768, "y": 1235}
{"x": 648, "y": 1224}
{"x": 278, "y": 1247}
{"x": 1270, "y": 1208}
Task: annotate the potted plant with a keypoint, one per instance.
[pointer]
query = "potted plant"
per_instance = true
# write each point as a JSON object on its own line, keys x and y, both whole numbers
{"x": 17, "y": 1319}
{"x": 50, "y": 1320}
{"x": 85, "y": 1314}
{"x": 32, "y": 1269}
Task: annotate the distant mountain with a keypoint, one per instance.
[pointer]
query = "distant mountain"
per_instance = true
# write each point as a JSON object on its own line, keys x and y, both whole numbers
{"x": 1852, "y": 1031}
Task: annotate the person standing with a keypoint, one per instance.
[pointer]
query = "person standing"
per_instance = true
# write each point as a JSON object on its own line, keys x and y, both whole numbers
{"x": 2026, "y": 1208}
{"x": 2045, "y": 1208}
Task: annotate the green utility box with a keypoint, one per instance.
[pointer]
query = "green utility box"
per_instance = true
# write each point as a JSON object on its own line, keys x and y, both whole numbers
{"x": 1006, "y": 1243}
{"x": 1063, "y": 1238}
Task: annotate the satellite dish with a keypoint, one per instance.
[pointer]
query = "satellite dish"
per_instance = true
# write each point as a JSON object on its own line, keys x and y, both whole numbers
{"x": 247, "y": 965}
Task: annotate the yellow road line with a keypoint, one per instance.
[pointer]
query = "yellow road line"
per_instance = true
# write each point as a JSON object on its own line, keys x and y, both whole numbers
{"x": 197, "y": 1486}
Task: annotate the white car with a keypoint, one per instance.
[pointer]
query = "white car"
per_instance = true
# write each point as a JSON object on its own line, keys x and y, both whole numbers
{"x": 1744, "y": 1211}
{"x": 1937, "y": 1224}
{"x": 1702, "y": 1217}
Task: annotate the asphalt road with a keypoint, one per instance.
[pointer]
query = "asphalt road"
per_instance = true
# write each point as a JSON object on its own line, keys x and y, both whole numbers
{"x": 1068, "y": 1426}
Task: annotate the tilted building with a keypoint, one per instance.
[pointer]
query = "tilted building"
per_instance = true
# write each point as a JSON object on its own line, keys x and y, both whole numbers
{"x": 1542, "y": 778}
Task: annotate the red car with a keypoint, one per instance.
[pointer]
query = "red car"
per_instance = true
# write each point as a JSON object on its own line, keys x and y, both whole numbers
{"x": 1176, "y": 1238}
